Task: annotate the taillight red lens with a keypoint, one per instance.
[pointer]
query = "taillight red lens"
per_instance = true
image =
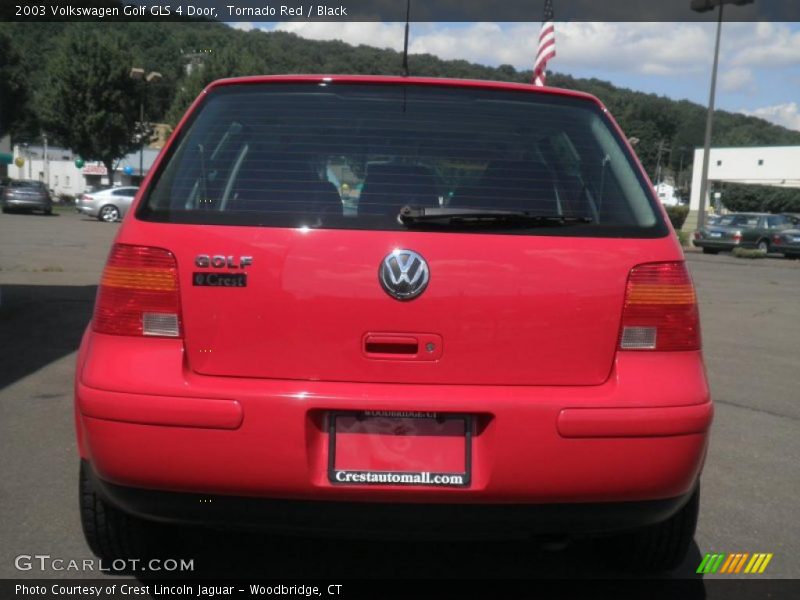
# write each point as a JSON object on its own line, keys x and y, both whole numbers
{"x": 139, "y": 293}
{"x": 660, "y": 311}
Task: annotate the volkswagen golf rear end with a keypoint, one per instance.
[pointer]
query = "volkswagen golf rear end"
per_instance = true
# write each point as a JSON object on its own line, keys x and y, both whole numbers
{"x": 393, "y": 307}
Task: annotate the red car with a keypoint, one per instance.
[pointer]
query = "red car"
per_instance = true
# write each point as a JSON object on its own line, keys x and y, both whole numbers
{"x": 496, "y": 336}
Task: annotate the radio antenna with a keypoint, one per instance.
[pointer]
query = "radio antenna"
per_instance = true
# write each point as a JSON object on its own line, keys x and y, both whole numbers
{"x": 405, "y": 44}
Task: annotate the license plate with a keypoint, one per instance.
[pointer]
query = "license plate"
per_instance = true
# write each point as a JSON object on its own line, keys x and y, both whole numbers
{"x": 396, "y": 448}
{"x": 715, "y": 235}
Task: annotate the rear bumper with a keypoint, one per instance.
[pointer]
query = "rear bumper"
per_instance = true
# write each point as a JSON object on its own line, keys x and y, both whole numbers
{"x": 787, "y": 248}
{"x": 717, "y": 244}
{"x": 390, "y": 520}
{"x": 640, "y": 437}
{"x": 27, "y": 204}
{"x": 87, "y": 210}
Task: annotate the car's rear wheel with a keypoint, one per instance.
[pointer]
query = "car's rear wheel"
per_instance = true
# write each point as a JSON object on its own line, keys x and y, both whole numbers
{"x": 763, "y": 246}
{"x": 112, "y": 534}
{"x": 660, "y": 547}
{"x": 710, "y": 251}
{"x": 109, "y": 213}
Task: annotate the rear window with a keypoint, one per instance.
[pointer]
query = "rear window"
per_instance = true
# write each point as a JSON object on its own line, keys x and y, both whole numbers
{"x": 26, "y": 184}
{"x": 350, "y": 156}
{"x": 742, "y": 221}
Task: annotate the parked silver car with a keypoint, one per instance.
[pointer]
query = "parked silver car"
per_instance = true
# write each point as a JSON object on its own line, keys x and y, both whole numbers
{"x": 107, "y": 205}
{"x": 26, "y": 195}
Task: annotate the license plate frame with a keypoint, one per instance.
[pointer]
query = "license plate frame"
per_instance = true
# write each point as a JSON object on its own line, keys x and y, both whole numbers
{"x": 424, "y": 479}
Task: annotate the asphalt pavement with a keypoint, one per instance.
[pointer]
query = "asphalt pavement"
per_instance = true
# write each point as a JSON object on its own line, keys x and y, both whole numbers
{"x": 49, "y": 268}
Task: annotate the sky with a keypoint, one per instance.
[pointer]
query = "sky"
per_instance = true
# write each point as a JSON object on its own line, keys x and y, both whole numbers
{"x": 759, "y": 62}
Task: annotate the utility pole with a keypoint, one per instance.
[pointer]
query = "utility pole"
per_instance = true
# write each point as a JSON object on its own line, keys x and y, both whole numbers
{"x": 705, "y": 6}
{"x": 138, "y": 74}
{"x": 661, "y": 150}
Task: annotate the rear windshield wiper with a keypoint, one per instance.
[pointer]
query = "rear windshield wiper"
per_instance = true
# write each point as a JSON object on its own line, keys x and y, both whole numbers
{"x": 478, "y": 217}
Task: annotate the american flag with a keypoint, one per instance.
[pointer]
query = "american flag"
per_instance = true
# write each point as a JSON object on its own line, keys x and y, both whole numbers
{"x": 547, "y": 45}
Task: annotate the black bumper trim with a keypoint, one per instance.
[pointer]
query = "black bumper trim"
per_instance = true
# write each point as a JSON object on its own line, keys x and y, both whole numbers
{"x": 385, "y": 520}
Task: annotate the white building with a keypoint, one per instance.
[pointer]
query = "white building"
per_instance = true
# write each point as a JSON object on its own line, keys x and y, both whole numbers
{"x": 763, "y": 165}
{"x": 60, "y": 173}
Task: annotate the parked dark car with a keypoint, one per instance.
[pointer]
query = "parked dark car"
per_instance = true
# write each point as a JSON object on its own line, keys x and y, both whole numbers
{"x": 787, "y": 242}
{"x": 26, "y": 195}
{"x": 741, "y": 230}
{"x": 794, "y": 218}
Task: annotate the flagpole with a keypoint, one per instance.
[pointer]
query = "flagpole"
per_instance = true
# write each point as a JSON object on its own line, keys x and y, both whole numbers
{"x": 405, "y": 44}
{"x": 546, "y": 48}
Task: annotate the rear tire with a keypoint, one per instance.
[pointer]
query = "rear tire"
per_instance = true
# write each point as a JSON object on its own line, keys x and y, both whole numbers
{"x": 108, "y": 213}
{"x": 110, "y": 533}
{"x": 763, "y": 246}
{"x": 660, "y": 547}
{"x": 710, "y": 251}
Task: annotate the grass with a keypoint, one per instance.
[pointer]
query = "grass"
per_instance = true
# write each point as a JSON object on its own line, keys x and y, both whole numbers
{"x": 748, "y": 253}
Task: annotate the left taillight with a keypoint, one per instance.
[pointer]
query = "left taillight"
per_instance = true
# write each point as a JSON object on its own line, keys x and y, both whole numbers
{"x": 660, "y": 311}
{"x": 139, "y": 293}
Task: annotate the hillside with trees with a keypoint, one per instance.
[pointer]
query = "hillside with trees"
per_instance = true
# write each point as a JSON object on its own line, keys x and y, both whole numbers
{"x": 32, "y": 55}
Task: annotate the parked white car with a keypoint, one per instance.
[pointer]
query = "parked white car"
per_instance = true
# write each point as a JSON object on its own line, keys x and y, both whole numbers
{"x": 107, "y": 205}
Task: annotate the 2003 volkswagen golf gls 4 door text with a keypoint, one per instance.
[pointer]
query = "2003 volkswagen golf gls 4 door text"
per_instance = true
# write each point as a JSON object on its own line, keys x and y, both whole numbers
{"x": 395, "y": 306}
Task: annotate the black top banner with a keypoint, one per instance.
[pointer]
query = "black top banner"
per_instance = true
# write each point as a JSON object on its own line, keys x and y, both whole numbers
{"x": 395, "y": 10}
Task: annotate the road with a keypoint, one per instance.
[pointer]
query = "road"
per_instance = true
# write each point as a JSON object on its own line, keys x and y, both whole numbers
{"x": 49, "y": 267}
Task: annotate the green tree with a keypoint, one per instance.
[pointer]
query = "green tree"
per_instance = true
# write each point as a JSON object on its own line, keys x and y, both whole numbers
{"x": 741, "y": 197}
{"x": 235, "y": 59}
{"x": 91, "y": 104}
{"x": 13, "y": 91}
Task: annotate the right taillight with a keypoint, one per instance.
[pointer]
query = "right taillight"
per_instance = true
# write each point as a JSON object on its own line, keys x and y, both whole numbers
{"x": 139, "y": 293}
{"x": 660, "y": 311}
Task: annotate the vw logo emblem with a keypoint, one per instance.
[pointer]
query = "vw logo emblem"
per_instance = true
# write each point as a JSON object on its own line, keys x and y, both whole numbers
{"x": 404, "y": 274}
